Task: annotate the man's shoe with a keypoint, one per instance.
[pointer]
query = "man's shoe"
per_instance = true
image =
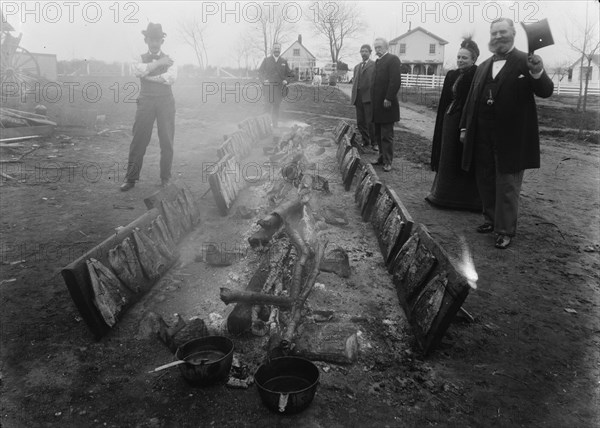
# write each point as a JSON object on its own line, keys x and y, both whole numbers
{"x": 485, "y": 228}
{"x": 128, "y": 185}
{"x": 502, "y": 241}
{"x": 375, "y": 148}
{"x": 387, "y": 168}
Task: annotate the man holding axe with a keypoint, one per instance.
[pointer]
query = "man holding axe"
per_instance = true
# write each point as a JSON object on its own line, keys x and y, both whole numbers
{"x": 499, "y": 127}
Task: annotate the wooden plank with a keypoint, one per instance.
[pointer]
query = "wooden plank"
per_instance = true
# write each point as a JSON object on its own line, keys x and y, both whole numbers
{"x": 361, "y": 175}
{"x": 371, "y": 199}
{"x": 392, "y": 227}
{"x": 424, "y": 269}
{"x": 215, "y": 187}
{"x": 381, "y": 210}
{"x": 343, "y": 148}
{"x": 406, "y": 229}
{"x": 349, "y": 168}
{"x": 77, "y": 279}
{"x": 402, "y": 263}
{"x": 169, "y": 193}
{"x": 25, "y": 132}
{"x": 340, "y": 130}
{"x": 420, "y": 269}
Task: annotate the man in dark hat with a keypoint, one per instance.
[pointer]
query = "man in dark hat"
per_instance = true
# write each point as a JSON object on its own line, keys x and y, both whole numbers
{"x": 499, "y": 128}
{"x": 155, "y": 103}
{"x": 274, "y": 71}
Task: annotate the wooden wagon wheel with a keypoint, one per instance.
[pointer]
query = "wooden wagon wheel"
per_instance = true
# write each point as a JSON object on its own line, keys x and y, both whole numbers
{"x": 19, "y": 70}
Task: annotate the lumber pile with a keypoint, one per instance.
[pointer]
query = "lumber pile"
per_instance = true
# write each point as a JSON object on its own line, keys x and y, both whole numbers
{"x": 18, "y": 125}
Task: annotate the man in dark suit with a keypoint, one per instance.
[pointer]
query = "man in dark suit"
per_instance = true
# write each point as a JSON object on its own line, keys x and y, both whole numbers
{"x": 499, "y": 128}
{"x": 361, "y": 97}
{"x": 155, "y": 103}
{"x": 274, "y": 71}
{"x": 386, "y": 110}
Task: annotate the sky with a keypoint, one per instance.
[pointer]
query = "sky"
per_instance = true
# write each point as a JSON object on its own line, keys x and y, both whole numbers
{"x": 111, "y": 30}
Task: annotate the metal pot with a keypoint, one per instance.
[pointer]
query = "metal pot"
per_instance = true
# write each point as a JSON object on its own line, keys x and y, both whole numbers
{"x": 208, "y": 360}
{"x": 287, "y": 384}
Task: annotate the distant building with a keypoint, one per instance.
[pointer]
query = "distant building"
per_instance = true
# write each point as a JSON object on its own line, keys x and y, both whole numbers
{"x": 300, "y": 60}
{"x": 420, "y": 51}
{"x": 578, "y": 70}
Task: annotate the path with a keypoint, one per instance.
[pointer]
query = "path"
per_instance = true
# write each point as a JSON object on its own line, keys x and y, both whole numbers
{"x": 413, "y": 117}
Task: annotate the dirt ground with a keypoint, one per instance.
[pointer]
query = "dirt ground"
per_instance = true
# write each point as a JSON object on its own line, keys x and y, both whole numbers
{"x": 531, "y": 358}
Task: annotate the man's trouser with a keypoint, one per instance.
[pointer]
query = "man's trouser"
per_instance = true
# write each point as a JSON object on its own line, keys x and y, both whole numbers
{"x": 499, "y": 191}
{"x": 150, "y": 109}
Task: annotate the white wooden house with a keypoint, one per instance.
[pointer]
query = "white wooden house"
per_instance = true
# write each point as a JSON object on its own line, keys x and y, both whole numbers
{"x": 300, "y": 60}
{"x": 578, "y": 70}
{"x": 420, "y": 51}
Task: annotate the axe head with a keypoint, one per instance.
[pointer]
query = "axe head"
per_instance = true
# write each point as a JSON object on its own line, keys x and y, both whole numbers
{"x": 538, "y": 35}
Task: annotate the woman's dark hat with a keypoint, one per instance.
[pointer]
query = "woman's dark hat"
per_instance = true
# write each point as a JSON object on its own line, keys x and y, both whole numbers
{"x": 154, "y": 31}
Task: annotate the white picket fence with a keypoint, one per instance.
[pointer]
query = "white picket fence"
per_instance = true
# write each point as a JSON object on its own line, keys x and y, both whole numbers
{"x": 422, "y": 80}
{"x": 572, "y": 88}
{"x": 560, "y": 88}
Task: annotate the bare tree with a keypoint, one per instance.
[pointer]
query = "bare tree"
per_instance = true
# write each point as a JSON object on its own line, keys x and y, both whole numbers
{"x": 274, "y": 25}
{"x": 561, "y": 69}
{"x": 245, "y": 49}
{"x": 192, "y": 32}
{"x": 587, "y": 44}
{"x": 337, "y": 22}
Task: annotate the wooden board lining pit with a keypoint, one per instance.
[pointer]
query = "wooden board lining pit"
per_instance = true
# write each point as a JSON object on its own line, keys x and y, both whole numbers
{"x": 77, "y": 278}
{"x": 225, "y": 183}
{"x": 123, "y": 253}
{"x": 342, "y": 150}
{"x": 382, "y": 209}
{"x": 340, "y": 130}
{"x": 404, "y": 232}
{"x": 367, "y": 190}
{"x": 257, "y": 127}
{"x": 430, "y": 287}
{"x": 349, "y": 167}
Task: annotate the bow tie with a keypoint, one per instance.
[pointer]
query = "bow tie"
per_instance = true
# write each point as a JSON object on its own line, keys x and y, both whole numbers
{"x": 500, "y": 57}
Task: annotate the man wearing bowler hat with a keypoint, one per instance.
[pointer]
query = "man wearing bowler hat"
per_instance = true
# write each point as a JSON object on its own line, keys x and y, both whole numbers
{"x": 155, "y": 103}
{"x": 499, "y": 128}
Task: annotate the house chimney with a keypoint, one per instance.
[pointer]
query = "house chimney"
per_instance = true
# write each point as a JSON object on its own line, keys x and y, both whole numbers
{"x": 300, "y": 38}
{"x": 409, "y": 25}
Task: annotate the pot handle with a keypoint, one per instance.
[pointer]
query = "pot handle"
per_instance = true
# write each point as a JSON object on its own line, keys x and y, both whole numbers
{"x": 283, "y": 400}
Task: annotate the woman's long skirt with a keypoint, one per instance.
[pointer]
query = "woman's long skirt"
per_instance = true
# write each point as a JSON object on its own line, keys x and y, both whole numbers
{"x": 453, "y": 187}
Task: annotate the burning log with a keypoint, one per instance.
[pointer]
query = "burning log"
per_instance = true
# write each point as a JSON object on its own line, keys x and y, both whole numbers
{"x": 273, "y": 264}
{"x": 276, "y": 218}
{"x": 299, "y": 302}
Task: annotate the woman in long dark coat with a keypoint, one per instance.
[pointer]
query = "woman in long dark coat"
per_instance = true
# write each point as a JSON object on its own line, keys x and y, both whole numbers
{"x": 453, "y": 187}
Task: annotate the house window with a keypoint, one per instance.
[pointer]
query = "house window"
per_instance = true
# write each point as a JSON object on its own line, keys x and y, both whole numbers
{"x": 432, "y": 48}
{"x": 402, "y": 48}
{"x": 296, "y": 52}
